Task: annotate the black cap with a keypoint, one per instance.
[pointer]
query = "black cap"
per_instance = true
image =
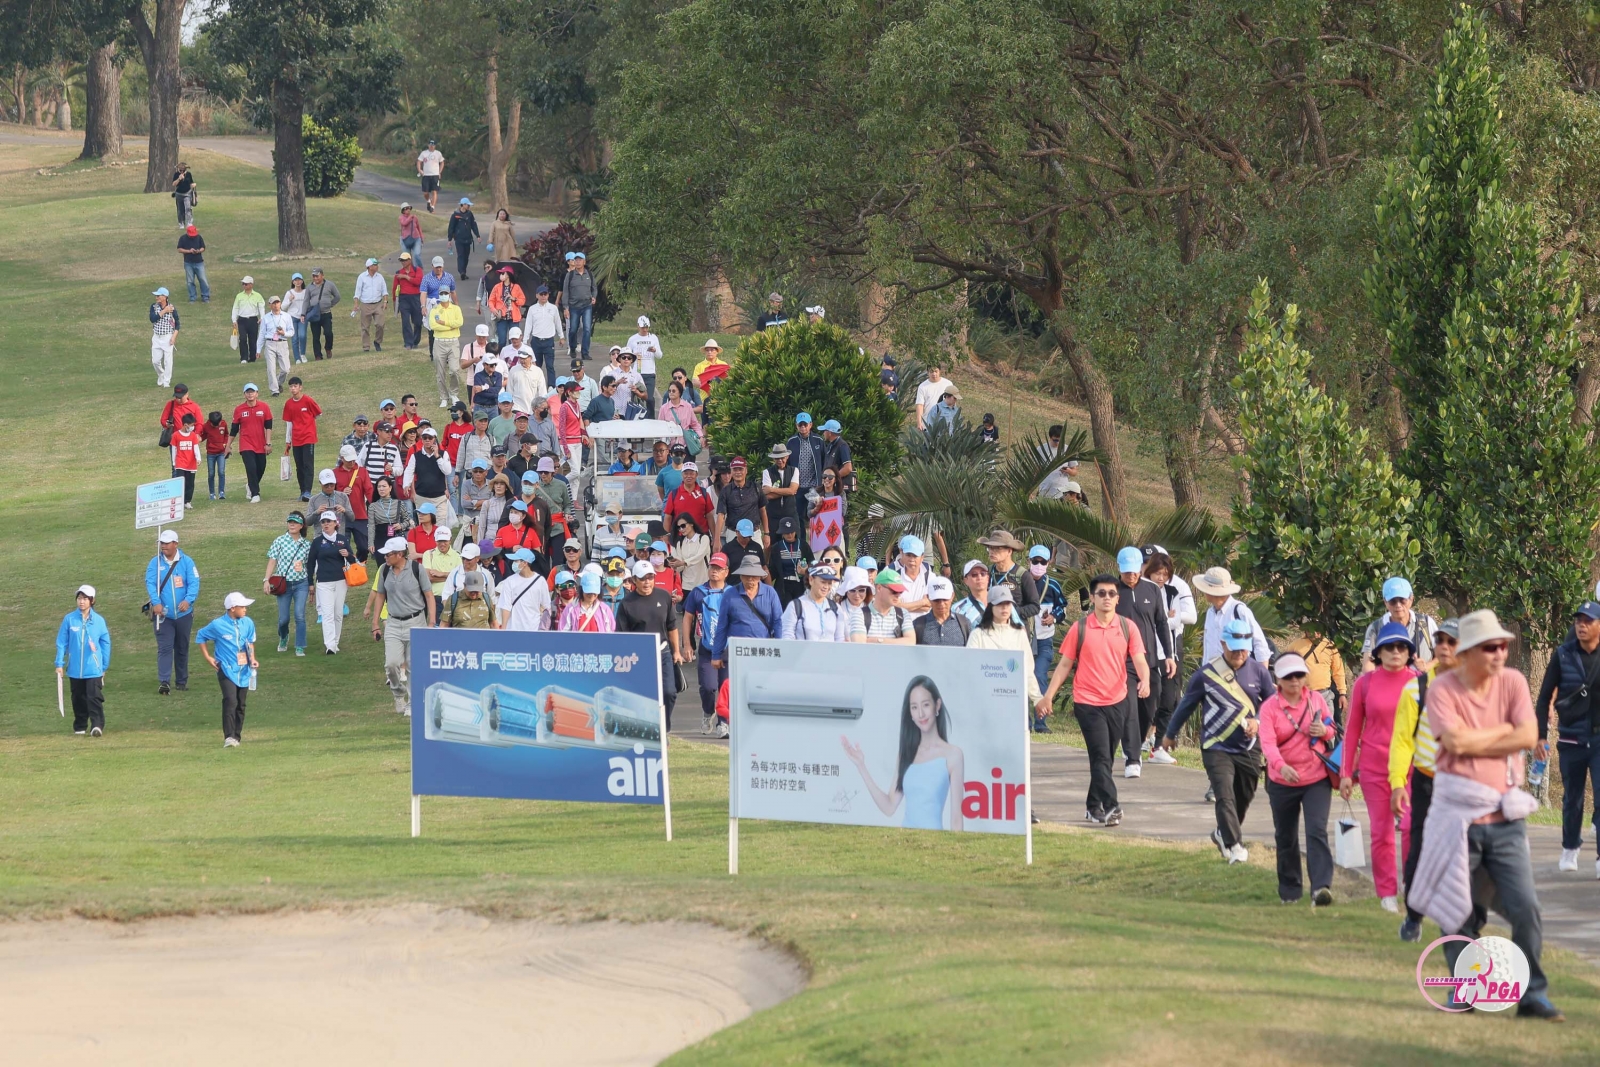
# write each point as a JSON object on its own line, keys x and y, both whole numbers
{"x": 498, "y": 450}
{"x": 1589, "y": 608}
{"x": 786, "y": 525}
{"x": 527, "y": 439}
{"x": 180, "y": 389}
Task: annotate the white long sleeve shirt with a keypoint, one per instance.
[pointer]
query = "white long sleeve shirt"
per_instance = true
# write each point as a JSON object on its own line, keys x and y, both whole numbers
{"x": 526, "y": 385}
{"x": 294, "y": 303}
{"x": 270, "y": 325}
{"x": 806, "y": 620}
{"x": 371, "y": 287}
{"x": 1183, "y": 604}
{"x": 410, "y": 477}
{"x": 1216, "y": 619}
{"x": 647, "y": 347}
{"x": 542, "y": 321}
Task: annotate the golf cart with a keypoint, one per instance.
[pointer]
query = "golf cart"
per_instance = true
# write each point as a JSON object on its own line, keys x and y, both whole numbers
{"x": 635, "y": 495}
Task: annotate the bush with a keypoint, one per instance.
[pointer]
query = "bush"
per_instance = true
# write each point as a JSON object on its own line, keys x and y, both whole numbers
{"x": 331, "y": 159}
{"x": 547, "y": 255}
{"x": 804, "y": 367}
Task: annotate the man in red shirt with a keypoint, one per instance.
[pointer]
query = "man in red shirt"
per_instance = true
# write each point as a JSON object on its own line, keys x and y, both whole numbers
{"x": 186, "y": 447}
{"x": 408, "y": 300}
{"x": 301, "y": 412}
{"x": 174, "y": 410}
{"x": 350, "y": 478}
{"x": 252, "y": 429}
{"x": 690, "y": 499}
{"x": 1101, "y": 645}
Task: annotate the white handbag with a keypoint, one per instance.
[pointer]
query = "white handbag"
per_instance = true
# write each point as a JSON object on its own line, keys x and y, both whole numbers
{"x": 283, "y": 468}
{"x": 1349, "y": 851}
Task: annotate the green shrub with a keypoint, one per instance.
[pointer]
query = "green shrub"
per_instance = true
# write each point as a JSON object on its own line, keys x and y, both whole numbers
{"x": 803, "y": 367}
{"x": 331, "y": 159}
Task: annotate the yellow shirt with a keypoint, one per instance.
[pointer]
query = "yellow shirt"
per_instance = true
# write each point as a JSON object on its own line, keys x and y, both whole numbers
{"x": 444, "y": 562}
{"x": 445, "y": 320}
{"x": 1413, "y": 741}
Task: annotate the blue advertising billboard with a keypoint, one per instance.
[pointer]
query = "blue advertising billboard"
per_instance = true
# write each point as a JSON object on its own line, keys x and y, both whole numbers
{"x": 537, "y": 716}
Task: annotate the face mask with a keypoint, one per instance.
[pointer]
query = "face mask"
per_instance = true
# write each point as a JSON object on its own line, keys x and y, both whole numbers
{"x": 657, "y": 558}
{"x": 568, "y": 592}
{"x": 1037, "y": 569}
{"x": 614, "y": 581}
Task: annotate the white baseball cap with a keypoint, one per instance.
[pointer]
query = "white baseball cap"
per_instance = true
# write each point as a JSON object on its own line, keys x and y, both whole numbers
{"x": 470, "y": 550}
{"x": 644, "y": 320}
{"x": 328, "y": 516}
{"x": 86, "y": 590}
{"x": 347, "y": 452}
{"x": 326, "y": 476}
{"x": 168, "y": 537}
{"x": 482, "y": 330}
{"x": 644, "y": 569}
{"x": 941, "y": 589}
{"x": 236, "y": 600}
{"x": 442, "y": 534}
{"x": 394, "y": 544}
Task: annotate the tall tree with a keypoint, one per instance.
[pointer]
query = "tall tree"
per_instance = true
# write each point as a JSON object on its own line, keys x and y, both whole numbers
{"x": 102, "y": 120}
{"x": 159, "y": 43}
{"x": 1482, "y": 327}
{"x": 1326, "y": 509}
{"x": 317, "y": 54}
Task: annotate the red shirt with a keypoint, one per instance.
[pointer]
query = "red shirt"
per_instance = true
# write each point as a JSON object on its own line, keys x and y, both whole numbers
{"x": 216, "y": 437}
{"x": 186, "y": 450}
{"x": 355, "y": 481}
{"x": 695, "y": 503}
{"x": 408, "y": 281}
{"x": 511, "y": 537}
{"x": 302, "y": 414}
{"x": 250, "y": 425}
{"x": 669, "y": 580}
{"x": 422, "y": 540}
{"x": 1102, "y": 654}
{"x": 450, "y": 438}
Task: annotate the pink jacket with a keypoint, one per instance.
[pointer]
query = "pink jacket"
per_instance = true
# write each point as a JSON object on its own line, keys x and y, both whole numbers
{"x": 1283, "y": 744}
{"x": 1367, "y": 734}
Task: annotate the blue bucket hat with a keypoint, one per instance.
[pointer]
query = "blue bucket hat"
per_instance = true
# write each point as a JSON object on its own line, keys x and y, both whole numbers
{"x": 1393, "y": 633}
{"x": 1130, "y": 559}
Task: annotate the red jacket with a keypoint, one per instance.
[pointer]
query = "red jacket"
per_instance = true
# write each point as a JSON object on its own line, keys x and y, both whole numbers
{"x": 450, "y": 438}
{"x": 358, "y": 485}
{"x": 216, "y": 437}
{"x": 408, "y": 281}
{"x": 302, "y": 414}
{"x": 174, "y": 410}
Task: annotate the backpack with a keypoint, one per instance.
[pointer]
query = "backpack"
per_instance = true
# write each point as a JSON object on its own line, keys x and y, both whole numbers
{"x": 800, "y": 616}
{"x": 1077, "y": 628}
{"x": 899, "y": 619}
{"x": 423, "y": 585}
{"x": 470, "y": 614}
{"x": 962, "y": 622}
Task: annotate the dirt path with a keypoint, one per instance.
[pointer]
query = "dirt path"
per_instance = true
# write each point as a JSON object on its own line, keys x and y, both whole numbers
{"x": 396, "y": 986}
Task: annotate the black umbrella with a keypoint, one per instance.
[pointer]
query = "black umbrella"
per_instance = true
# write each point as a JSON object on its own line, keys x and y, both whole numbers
{"x": 523, "y": 275}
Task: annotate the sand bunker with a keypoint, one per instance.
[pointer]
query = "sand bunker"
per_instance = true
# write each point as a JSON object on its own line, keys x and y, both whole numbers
{"x": 393, "y": 986}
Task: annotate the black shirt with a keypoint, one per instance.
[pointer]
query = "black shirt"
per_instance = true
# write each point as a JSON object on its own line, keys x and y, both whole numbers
{"x": 653, "y": 614}
{"x": 185, "y": 182}
{"x": 772, "y": 318}
{"x": 1145, "y": 605}
{"x": 324, "y": 561}
{"x": 779, "y": 506}
{"x": 740, "y": 502}
{"x": 192, "y": 247}
{"x": 737, "y": 553}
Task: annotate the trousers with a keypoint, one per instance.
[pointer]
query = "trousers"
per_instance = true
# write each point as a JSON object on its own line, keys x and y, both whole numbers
{"x": 195, "y": 275}
{"x": 1421, "y": 801}
{"x": 1500, "y": 850}
{"x": 409, "y": 307}
{"x": 321, "y": 336}
{"x": 1102, "y": 725}
{"x": 1141, "y": 712}
{"x": 172, "y": 648}
{"x": 255, "y": 466}
{"x": 1291, "y": 803}
{"x": 397, "y": 659}
{"x": 161, "y": 360}
{"x": 1234, "y": 778}
{"x": 1380, "y": 819}
{"x": 446, "y": 359}
{"x": 279, "y": 355}
{"x": 1580, "y": 764}
{"x": 216, "y": 473}
{"x": 248, "y": 328}
{"x": 188, "y": 484}
{"x": 669, "y": 681}
{"x": 293, "y": 602}
{"x": 305, "y": 465}
{"x": 711, "y": 679}
{"x": 330, "y": 611}
{"x": 370, "y": 315}
{"x": 233, "y": 698}
{"x": 88, "y": 703}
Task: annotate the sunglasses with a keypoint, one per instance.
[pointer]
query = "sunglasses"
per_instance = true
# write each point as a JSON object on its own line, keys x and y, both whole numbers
{"x": 1105, "y": 592}
{"x": 1494, "y": 647}
{"x": 1295, "y": 677}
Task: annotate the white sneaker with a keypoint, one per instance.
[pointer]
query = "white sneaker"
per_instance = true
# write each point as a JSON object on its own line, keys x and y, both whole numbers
{"x": 1569, "y": 860}
{"x": 1145, "y": 748}
{"x": 1238, "y": 854}
{"x": 230, "y": 742}
{"x": 708, "y": 723}
{"x": 1131, "y": 771}
{"x": 722, "y": 729}
{"x": 255, "y": 500}
{"x": 1389, "y": 904}
{"x": 1162, "y": 756}
{"x": 444, "y": 403}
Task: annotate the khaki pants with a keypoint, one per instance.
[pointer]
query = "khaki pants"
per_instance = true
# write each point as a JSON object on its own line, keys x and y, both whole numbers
{"x": 397, "y": 658}
{"x": 446, "y": 358}
{"x": 278, "y": 356}
{"x": 371, "y": 317}
{"x": 161, "y": 360}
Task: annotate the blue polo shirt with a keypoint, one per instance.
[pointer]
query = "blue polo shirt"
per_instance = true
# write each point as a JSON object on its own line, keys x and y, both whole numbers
{"x": 231, "y": 637}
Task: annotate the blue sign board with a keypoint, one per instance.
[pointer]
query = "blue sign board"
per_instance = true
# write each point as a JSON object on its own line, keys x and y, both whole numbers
{"x": 537, "y": 716}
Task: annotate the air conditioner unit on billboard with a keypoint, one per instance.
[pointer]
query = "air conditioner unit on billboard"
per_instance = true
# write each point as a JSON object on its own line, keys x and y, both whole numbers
{"x": 808, "y": 695}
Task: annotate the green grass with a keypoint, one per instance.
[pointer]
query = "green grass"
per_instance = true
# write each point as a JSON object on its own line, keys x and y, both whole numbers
{"x": 921, "y": 948}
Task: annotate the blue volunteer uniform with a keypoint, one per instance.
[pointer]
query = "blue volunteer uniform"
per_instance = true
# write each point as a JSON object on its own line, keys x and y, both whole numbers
{"x": 175, "y": 587}
{"x": 233, "y": 642}
{"x": 83, "y": 648}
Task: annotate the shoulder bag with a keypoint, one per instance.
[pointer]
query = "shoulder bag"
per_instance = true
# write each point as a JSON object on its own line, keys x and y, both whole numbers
{"x": 691, "y": 440}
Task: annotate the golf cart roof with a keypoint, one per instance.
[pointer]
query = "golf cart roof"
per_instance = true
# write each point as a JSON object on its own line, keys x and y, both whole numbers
{"x": 645, "y": 430}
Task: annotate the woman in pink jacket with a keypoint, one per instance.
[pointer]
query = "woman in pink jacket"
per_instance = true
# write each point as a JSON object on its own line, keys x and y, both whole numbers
{"x": 1295, "y": 725}
{"x": 1366, "y": 750}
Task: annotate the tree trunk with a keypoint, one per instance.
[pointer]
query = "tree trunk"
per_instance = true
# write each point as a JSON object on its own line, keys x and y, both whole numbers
{"x": 64, "y": 114}
{"x": 1099, "y": 400}
{"x": 159, "y": 47}
{"x": 102, "y": 119}
{"x": 1587, "y": 390}
{"x": 1183, "y": 468}
{"x": 289, "y": 166}
{"x": 874, "y": 304}
{"x": 723, "y": 313}
{"x": 501, "y": 149}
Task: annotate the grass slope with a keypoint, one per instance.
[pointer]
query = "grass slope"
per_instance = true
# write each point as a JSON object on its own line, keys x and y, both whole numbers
{"x": 923, "y": 948}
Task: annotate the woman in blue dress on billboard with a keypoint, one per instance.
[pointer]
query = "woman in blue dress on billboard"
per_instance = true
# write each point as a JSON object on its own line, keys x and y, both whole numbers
{"x": 931, "y": 768}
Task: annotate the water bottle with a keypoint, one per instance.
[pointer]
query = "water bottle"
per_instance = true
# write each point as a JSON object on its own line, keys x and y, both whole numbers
{"x": 253, "y": 673}
{"x": 1536, "y": 774}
